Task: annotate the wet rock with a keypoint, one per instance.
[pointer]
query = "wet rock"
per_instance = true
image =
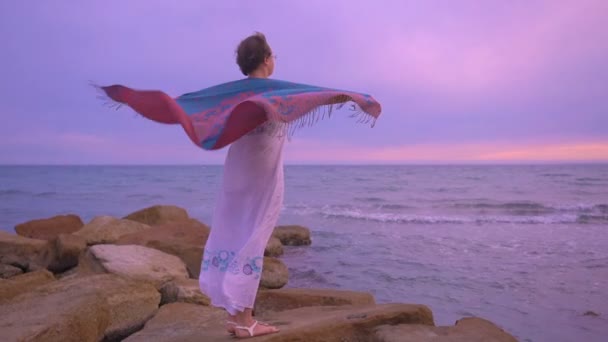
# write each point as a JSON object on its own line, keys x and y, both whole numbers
{"x": 274, "y": 274}
{"x": 292, "y": 235}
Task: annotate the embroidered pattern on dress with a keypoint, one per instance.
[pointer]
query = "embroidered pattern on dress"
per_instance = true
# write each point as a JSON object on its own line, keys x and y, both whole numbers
{"x": 225, "y": 261}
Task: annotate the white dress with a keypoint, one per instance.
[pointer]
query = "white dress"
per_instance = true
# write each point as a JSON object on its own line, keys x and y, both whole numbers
{"x": 247, "y": 209}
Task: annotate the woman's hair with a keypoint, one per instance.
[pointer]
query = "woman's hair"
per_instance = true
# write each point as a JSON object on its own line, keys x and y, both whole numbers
{"x": 251, "y": 53}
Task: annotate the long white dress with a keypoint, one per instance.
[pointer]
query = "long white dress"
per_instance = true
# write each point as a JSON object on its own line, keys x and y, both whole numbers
{"x": 247, "y": 209}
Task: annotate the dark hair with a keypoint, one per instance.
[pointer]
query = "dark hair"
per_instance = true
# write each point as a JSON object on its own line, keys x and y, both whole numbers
{"x": 251, "y": 53}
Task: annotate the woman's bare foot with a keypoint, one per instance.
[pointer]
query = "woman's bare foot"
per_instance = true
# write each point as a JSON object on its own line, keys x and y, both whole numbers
{"x": 230, "y": 324}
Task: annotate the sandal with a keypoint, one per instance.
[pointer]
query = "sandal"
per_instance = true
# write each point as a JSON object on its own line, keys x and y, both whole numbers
{"x": 252, "y": 327}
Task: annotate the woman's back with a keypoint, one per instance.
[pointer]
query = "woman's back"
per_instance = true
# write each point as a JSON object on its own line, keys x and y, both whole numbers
{"x": 254, "y": 160}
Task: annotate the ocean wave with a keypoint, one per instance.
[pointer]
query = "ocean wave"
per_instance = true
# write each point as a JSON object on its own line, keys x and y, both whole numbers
{"x": 12, "y": 192}
{"x": 589, "y": 218}
{"x": 184, "y": 189}
{"x": 434, "y": 219}
{"x": 510, "y": 206}
{"x": 394, "y": 206}
{"x": 146, "y": 196}
{"x": 583, "y": 208}
{"x": 388, "y": 188}
{"x": 523, "y": 212}
{"x": 529, "y": 207}
{"x": 603, "y": 208}
{"x": 369, "y": 199}
{"x": 585, "y": 184}
{"x": 46, "y": 194}
{"x": 310, "y": 276}
{"x": 390, "y": 218}
{"x": 590, "y": 179}
{"x": 556, "y": 175}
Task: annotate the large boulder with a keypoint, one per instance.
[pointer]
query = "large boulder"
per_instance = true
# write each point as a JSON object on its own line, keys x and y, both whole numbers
{"x": 61, "y": 316}
{"x": 292, "y": 235}
{"x": 49, "y": 228}
{"x": 25, "y": 253}
{"x": 100, "y": 307}
{"x": 274, "y": 248}
{"x": 135, "y": 262}
{"x": 189, "y": 322}
{"x": 107, "y": 229}
{"x": 468, "y": 329}
{"x": 67, "y": 249}
{"x": 130, "y": 303}
{"x": 274, "y": 274}
{"x": 293, "y": 298}
{"x": 342, "y": 323}
{"x": 184, "y": 239}
{"x": 24, "y": 283}
{"x": 183, "y": 290}
{"x": 158, "y": 214}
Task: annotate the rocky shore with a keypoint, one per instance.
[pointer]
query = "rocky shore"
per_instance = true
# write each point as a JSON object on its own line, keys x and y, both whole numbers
{"x": 135, "y": 279}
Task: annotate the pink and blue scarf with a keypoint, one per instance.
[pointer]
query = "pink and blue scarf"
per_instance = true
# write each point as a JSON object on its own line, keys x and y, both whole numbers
{"x": 216, "y": 116}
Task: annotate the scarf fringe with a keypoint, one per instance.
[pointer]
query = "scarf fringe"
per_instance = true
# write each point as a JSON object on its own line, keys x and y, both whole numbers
{"x": 107, "y": 101}
{"x": 102, "y": 96}
{"x": 279, "y": 129}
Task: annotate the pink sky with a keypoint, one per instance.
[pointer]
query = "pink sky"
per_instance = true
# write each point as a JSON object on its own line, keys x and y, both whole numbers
{"x": 462, "y": 81}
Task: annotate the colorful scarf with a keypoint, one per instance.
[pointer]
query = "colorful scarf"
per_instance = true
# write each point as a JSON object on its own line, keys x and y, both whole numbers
{"x": 217, "y": 116}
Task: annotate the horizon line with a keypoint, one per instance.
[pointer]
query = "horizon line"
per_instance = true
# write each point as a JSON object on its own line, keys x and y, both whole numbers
{"x": 450, "y": 163}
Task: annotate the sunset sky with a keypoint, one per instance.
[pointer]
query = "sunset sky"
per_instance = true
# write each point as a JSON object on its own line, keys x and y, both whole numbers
{"x": 459, "y": 81}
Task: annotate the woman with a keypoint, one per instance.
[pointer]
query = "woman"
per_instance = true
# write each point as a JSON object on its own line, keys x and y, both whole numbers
{"x": 252, "y": 116}
{"x": 247, "y": 210}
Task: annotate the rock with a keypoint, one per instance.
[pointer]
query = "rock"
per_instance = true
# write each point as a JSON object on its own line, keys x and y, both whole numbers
{"x": 293, "y": 298}
{"x": 189, "y": 322}
{"x": 292, "y": 235}
{"x": 107, "y": 229}
{"x": 274, "y": 248}
{"x": 184, "y": 291}
{"x": 184, "y": 239}
{"x": 25, "y": 253}
{"x": 24, "y": 283}
{"x": 466, "y": 330}
{"x": 135, "y": 262}
{"x": 158, "y": 214}
{"x": 91, "y": 308}
{"x": 67, "y": 251}
{"x": 7, "y": 271}
{"x": 49, "y": 228}
{"x": 184, "y": 322}
{"x": 342, "y": 323}
{"x": 274, "y": 274}
{"x": 62, "y": 316}
{"x": 130, "y": 303}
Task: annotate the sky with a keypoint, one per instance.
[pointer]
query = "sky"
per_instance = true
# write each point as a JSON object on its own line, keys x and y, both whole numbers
{"x": 487, "y": 81}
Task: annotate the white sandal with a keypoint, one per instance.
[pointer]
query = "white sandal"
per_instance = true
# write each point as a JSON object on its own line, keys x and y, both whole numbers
{"x": 252, "y": 327}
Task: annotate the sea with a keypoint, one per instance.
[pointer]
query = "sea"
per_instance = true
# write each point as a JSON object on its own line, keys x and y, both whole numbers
{"x": 524, "y": 246}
